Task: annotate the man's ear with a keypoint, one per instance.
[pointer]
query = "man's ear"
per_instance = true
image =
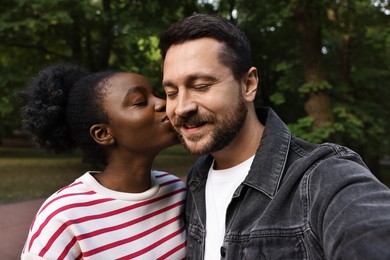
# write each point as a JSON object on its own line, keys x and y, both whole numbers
{"x": 102, "y": 134}
{"x": 250, "y": 81}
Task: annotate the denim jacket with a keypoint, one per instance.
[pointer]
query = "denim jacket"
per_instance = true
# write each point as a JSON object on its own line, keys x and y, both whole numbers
{"x": 299, "y": 201}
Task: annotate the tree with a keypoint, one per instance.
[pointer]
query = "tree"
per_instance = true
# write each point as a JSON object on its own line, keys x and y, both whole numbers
{"x": 97, "y": 34}
{"x": 324, "y": 67}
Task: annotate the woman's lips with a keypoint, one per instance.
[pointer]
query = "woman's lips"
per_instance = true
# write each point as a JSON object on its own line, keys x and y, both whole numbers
{"x": 165, "y": 119}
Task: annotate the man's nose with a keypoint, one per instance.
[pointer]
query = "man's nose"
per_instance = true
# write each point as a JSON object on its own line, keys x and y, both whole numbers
{"x": 185, "y": 104}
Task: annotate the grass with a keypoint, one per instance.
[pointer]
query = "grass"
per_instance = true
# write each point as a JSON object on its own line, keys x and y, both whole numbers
{"x": 30, "y": 173}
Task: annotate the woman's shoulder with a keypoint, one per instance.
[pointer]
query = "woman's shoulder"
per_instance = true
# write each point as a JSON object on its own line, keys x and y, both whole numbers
{"x": 72, "y": 194}
{"x": 165, "y": 178}
{"x": 165, "y": 175}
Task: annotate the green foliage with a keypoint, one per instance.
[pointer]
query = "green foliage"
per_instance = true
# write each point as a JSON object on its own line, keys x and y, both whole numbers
{"x": 278, "y": 98}
{"x": 348, "y": 122}
{"x": 356, "y": 58}
{"x": 5, "y": 106}
{"x": 286, "y": 83}
{"x": 122, "y": 34}
{"x": 97, "y": 34}
{"x": 303, "y": 129}
{"x": 314, "y": 87}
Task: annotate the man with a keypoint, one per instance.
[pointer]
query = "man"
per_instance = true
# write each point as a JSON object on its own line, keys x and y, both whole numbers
{"x": 259, "y": 192}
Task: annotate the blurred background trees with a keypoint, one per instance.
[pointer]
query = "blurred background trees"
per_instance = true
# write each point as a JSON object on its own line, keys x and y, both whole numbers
{"x": 324, "y": 64}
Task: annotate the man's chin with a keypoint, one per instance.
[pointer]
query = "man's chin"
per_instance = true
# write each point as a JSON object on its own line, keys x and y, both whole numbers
{"x": 192, "y": 147}
{"x": 192, "y": 151}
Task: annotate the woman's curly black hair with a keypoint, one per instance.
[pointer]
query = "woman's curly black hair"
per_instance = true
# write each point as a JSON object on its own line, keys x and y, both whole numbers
{"x": 62, "y": 102}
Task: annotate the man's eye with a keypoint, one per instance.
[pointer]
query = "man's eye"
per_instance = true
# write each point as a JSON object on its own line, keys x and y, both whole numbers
{"x": 201, "y": 87}
{"x": 171, "y": 94}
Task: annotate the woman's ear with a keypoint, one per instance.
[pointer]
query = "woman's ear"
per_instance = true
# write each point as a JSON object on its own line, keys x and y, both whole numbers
{"x": 250, "y": 81}
{"x": 102, "y": 134}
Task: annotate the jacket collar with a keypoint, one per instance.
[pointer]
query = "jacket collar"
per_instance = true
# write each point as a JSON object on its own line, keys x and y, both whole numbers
{"x": 270, "y": 160}
{"x": 268, "y": 165}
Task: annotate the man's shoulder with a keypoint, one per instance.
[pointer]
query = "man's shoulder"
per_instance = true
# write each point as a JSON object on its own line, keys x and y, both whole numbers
{"x": 311, "y": 151}
{"x": 326, "y": 159}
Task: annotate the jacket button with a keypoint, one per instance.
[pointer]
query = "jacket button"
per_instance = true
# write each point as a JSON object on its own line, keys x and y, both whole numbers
{"x": 223, "y": 251}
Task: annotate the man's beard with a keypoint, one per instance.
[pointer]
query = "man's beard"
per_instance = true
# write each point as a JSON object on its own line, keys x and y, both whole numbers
{"x": 223, "y": 133}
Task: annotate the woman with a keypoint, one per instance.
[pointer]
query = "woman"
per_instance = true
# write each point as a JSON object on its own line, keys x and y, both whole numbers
{"x": 126, "y": 210}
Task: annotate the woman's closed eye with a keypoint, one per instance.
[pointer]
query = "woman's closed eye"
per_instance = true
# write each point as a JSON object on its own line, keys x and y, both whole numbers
{"x": 136, "y": 100}
{"x": 140, "y": 103}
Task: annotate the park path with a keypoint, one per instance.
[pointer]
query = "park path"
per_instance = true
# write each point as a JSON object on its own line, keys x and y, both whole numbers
{"x": 15, "y": 220}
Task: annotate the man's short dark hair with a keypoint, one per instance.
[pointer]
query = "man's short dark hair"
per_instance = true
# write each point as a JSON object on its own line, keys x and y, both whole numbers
{"x": 236, "y": 51}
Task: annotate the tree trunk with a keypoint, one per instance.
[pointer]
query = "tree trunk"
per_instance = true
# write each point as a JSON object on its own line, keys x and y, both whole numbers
{"x": 75, "y": 38}
{"x": 369, "y": 155}
{"x": 306, "y": 17}
{"x": 106, "y": 37}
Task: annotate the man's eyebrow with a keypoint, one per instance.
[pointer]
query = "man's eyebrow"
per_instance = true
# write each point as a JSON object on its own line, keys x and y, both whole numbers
{"x": 167, "y": 83}
{"x": 201, "y": 76}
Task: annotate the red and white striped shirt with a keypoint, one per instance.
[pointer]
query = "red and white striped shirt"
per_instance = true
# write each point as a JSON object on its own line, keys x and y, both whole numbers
{"x": 88, "y": 221}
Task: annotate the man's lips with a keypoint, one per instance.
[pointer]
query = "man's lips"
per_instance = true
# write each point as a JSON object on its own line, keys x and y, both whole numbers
{"x": 190, "y": 128}
{"x": 191, "y": 125}
{"x": 194, "y": 124}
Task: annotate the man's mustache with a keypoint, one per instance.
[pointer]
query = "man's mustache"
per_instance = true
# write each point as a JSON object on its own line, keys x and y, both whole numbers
{"x": 194, "y": 119}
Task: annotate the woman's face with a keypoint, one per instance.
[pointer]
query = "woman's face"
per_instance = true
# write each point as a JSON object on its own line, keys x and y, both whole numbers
{"x": 137, "y": 117}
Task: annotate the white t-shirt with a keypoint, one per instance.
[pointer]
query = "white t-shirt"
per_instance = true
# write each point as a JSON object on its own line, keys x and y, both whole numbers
{"x": 220, "y": 187}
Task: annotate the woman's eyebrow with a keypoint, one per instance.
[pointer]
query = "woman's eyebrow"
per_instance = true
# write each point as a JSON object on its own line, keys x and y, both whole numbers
{"x": 136, "y": 89}
{"x": 131, "y": 91}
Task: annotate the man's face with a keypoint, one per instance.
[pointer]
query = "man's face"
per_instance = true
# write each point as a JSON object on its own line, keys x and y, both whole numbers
{"x": 204, "y": 101}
